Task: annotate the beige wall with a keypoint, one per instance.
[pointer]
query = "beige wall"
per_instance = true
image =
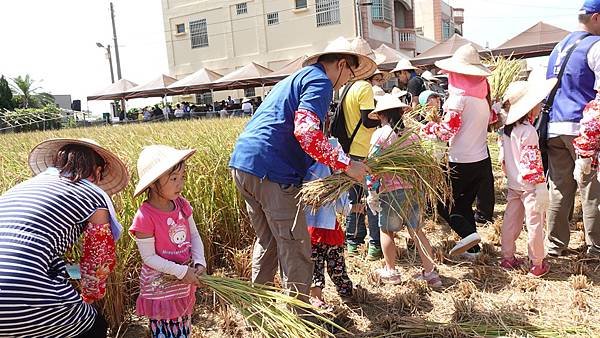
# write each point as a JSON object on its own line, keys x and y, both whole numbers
{"x": 235, "y": 40}
{"x": 424, "y": 17}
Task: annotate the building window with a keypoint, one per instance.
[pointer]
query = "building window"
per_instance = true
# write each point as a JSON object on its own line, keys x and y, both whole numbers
{"x": 249, "y": 92}
{"x": 180, "y": 28}
{"x": 446, "y": 30}
{"x": 301, "y": 4}
{"x": 328, "y": 12}
{"x": 198, "y": 33}
{"x": 419, "y": 31}
{"x": 272, "y": 18}
{"x": 204, "y": 98}
{"x": 381, "y": 10}
{"x": 241, "y": 8}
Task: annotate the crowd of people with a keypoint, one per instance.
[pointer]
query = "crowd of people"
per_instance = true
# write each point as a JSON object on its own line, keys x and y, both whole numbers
{"x": 284, "y": 144}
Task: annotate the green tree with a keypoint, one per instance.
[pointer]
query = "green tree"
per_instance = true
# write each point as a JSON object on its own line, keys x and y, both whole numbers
{"x": 28, "y": 95}
{"x": 6, "y": 97}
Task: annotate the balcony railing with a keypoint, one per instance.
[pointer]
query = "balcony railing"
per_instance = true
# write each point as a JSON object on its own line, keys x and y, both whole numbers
{"x": 407, "y": 38}
{"x": 458, "y": 14}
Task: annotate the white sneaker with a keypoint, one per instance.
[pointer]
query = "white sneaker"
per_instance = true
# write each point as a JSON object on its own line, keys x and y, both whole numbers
{"x": 465, "y": 244}
{"x": 388, "y": 276}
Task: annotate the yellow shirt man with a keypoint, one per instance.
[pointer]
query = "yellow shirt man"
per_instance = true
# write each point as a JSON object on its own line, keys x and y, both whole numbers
{"x": 359, "y": 97}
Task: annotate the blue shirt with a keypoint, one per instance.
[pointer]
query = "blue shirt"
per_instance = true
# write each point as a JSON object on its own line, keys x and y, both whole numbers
{"x": 267, "y": 148}
{"x": 325, "y": 216}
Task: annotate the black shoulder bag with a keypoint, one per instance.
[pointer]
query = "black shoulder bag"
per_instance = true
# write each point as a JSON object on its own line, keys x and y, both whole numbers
{"x": 337, "y": 128}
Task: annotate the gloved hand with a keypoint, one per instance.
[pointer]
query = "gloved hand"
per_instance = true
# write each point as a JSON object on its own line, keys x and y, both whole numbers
{"x": 542, "y": 197}
{"x": 373, "y": 202}
{"x": 583, "y": 166}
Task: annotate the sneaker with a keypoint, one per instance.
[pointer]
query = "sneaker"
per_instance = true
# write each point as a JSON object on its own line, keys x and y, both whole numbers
{"x": 319, "y": 304}
{"x": 511, "y": 263}
{"x": 479, "y": 218}
{"x": 538, "y": 271}
{"x": 432, "y": 278}
{"x": 465, "y": 244}
{"x": 593, "y": 252}
{"x": 352, "y": 249}
{"x": 374, "y": 253}
{"x": 555, "y": 252}
{"x": 388, "y": 276}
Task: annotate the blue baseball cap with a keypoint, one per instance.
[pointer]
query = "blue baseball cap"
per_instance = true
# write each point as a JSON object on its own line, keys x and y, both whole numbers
{"x": 424, "y": 96}
{"x": 590, "y": 7}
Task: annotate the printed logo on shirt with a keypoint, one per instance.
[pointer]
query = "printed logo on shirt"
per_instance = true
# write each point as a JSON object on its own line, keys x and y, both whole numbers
{"x": 177, "y": 233}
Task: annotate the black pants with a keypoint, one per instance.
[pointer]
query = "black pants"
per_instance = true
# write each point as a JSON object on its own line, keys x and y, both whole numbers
{"x": 486, "y": 198}
{"x": 98, "y": 330}
{"x": 466, "y": 179}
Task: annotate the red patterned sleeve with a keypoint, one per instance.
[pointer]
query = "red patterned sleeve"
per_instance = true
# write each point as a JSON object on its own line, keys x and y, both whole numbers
{"x": 587, "y": 144}
{"x": 314, "y": 143}
{"x": 531, "y": 169}
{"x": 444, "y": 130}
{"x": 97, "y": 262}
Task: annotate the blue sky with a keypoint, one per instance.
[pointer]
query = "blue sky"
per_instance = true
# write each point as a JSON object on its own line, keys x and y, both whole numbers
{"x": 55, "y": 41}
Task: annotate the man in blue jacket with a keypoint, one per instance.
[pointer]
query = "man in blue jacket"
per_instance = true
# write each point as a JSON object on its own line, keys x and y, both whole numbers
{"x": 274, "y": 152}
{"x": 578, "y": 85}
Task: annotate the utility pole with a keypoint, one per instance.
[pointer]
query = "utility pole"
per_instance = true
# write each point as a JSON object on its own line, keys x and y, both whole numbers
{"x": 112, "y": 17}
{"x": 109, "y": 56}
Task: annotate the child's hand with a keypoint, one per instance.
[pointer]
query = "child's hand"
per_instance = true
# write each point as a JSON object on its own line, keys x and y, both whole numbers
{"x": 200, "y": 270}
{"x": 190, "y": 277}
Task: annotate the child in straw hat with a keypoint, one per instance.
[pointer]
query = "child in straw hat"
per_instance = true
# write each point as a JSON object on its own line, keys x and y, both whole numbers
{"x": 169, "y": 243}
{"x": 527, "y": 196}
{"x": 393, "y": 202}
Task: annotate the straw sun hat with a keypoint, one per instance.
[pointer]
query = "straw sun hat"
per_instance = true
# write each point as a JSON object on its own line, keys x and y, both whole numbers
{"x": 525, "y": 95}
{"x": 466, "y": 61}
{"x": 114, "y": 179}
{"x": 403, "y": 64}
{"x": 427, "y": 75}
{"x": 397, "y": 92}
{"x": 366, "y": 65}
{"x": 155, "y": 161}
{"x": 385, "y": 102}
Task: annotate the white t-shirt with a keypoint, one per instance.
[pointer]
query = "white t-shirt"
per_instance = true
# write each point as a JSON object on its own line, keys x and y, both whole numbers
{"x": 247, "y": 107}
{"x": 593, "y": 58}
{"x": 470, "y": 143}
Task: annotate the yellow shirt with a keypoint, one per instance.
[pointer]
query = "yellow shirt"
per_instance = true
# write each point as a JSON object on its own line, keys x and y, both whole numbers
{"x": 359, "y": 97}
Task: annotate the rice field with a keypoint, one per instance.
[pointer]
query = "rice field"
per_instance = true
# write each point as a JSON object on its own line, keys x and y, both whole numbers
{"x": 478, "y": 298}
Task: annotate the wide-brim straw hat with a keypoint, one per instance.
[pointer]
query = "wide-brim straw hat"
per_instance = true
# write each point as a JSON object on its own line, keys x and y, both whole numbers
{"x": 114, "y": 178}
{"x": 366, "y": 65}
{"x": 397, "y": 92}
{"x": 155, "y": 161}
{"x": 403, "y": 64}
{"x": 361, "y": 46}
{"x": 386, "y": 75}
{"x": 526, "y": 97}
{"x": 465, "y": 61}
{"x": 427, "y": 75}
{"x": 385, "y": 102}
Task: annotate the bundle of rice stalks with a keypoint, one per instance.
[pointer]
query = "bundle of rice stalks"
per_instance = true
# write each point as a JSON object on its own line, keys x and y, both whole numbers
{"x": 269, "y": 311}
{"x": 411, "y": 161}
{"x": 506, "y": 70}
{"x": 416, "y": 327}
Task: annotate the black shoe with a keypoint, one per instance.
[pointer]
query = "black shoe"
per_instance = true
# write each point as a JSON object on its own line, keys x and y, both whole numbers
{"x": 482, "y": 220}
